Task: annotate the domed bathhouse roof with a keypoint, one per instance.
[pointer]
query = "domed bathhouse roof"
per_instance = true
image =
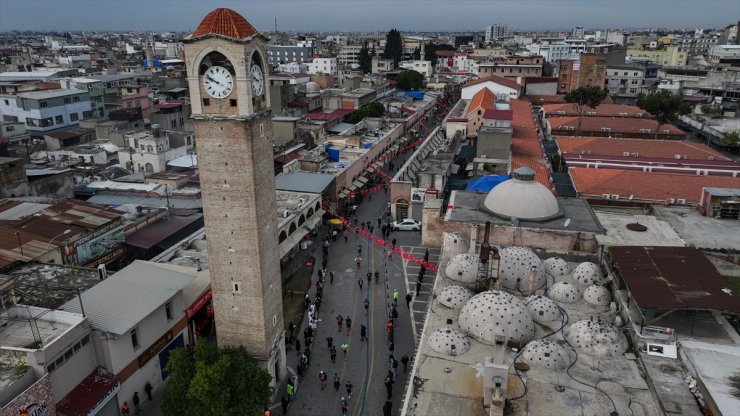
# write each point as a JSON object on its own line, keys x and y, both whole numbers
{"x": 492, "y": 313}
{"x": 224, "y": 22}
{"x": 463, "y": 268}
{"x": 556, "y": 266}
{"x": 542, "y": 308}
{"x": 587, "y": 274}
{"x": 313, "y": 89}
{"x": 454, "y": 296}
{"x": 515, "y": 267}
{"x": 596, "y": 337}
{"x": 455, "y": 243}
{"x": 449, "y": 341}
{"x": 597, "y": 295}
{"x": 546, "y": 354}
{"x": 564, "y": 292}
{"x": 522, "y": 197}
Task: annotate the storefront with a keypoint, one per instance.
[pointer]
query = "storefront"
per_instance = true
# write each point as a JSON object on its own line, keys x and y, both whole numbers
{"x": 200, "y": 317}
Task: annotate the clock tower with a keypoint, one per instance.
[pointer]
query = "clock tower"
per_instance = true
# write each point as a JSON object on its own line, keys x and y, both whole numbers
{"x": 226, "y": 67}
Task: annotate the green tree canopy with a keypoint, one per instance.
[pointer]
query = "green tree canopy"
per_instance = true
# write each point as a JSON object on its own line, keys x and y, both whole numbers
{"x": 583, "y": 98}
{"x": 371, "y": 109}
{"x": 410, "y": 80}
{"x": 663, "y": 105}
{"x": 732, "y": 138}
{"x": 430, "y": 51}
{"x": 214, "y": 381}
{"x": 365, "y": 60}
{"x": 393, "y": 47}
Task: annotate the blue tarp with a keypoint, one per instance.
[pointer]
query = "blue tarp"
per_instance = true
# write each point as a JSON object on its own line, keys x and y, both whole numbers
{"x": 416, "y": 95}
{"x": 333, "y": 154}
{"x": 486, "y": 183}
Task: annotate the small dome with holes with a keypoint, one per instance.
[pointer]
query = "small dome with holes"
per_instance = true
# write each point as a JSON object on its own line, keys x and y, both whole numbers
{"x": 454, "y": 296}
{"x": 596, "y": 337}
{"x": 556, "y": 266}
{"x": 546, "y": 355}
{"x": 564, "y": 292}
{"x": 597, "y": 295}
{"x": 515, "y": 268}
{"x": 463, "y": 268}
{"x": 542, "y": 309}
{"x": 587, "y": 274}
{"x": 449, "y": 341}
{"x": 493, "y": 313}
{"x": 455, "y": 243}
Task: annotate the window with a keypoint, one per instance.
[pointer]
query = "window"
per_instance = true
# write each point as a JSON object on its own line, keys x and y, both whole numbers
{"x": 232, "y": 103}
{"x": 76, "y": 99}
{"x": 74, "y": 116}
{"x": 9, "y": 128}
{"x": 7, "y": 102}
{"x": 135, "y": 338}
{"x": 43, "y": 104}
{"x": 206, "y": 102}
{"x": 59, "y": 119}
{"x": 606, "y": 129}
{"x": 168, "y": 310}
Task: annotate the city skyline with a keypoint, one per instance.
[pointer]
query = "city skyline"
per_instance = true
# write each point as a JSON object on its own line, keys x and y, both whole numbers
{"x": 363, "y": 16}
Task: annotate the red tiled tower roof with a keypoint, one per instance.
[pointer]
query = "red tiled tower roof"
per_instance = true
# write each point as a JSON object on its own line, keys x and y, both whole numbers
{"x": 225, "y": 22}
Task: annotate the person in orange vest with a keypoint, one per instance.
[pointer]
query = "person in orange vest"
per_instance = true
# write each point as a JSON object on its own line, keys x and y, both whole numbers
{"x": 125, "y": 409}
{"x": 267, "y": 412}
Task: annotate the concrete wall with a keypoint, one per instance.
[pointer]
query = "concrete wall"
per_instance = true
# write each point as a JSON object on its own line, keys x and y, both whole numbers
{"x": 542, "y": 88}
{"x": 494, "y": 143}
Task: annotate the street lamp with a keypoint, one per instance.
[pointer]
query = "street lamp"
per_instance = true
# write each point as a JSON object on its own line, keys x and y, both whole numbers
{"x": 67, "y": 231}
{"x": 20, "y": 243}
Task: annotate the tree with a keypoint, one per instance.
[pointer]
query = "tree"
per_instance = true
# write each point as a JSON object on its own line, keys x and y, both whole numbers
{"x": 371, "y": 109}
{"x": 664, "y": 106}
{"x": 416, "y": 54}
{"x": 732, "y": 138}
{"x": 410, "y": 79}
{"x": 430, "y": 51}
{"x": 393, "y": 47}
{"x": 365, "y": 60}
{"x": 214, "y": 381}
{"x": 583, "y": 98}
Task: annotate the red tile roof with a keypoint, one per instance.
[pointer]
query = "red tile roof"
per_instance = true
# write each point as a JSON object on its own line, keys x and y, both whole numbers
{"x": 445, "y": 53}
{"x": 498, "y": 114}
{"x": 616, "y": 124}
{"x": 497, "y": 80}
{"x": 645, "y": 148}
{"x": 525, "y": 142}
{"x": 225, "y": 22}
{"x": 601, "y": 110}
{"x": 650, "y": 186}
{"x": 321, "y": 116}
{"x": 483, "y": 99}
{"x": 87, "y": 394}
{"x": 544, "y": 99}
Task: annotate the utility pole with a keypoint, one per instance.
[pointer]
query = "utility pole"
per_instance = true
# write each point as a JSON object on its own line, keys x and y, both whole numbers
{"x": 167, "y": 196}
{"x": 20, "y": 243}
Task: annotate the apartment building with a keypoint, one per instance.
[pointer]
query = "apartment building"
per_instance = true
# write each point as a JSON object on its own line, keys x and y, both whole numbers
{"x": 322, "y": 66}
{"x": 511, "y": 67}
{"x": 280, "y": 54}
{"x": 625, "y": 82}
{"x": 669, "y": 55}
{"x": 150, "y": 151}
{"x": 497, "y": 31}
{"x": 45, "y": 111}
{"x": 348, "y": 55}
{"x": 588, "y": 70}
{"x": 423, "y": 67}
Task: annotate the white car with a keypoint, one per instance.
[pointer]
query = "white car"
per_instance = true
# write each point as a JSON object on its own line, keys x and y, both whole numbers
{"x": 407, "y": 225}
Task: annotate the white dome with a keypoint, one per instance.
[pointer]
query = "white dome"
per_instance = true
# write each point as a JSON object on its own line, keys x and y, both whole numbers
{"x": 542, "y": 309}
{"x": 463, "y": 268}
{"x": 455, "y": 243}
{"x": 587, "y": 274}
{"x": 492, "y": 313}
{"x": 597, "y": 295}
{"x": 454, "y": 296}
{"x": 556, "y": 266}
{"x": 545, "y": 354}
{"x": 564, "y": 292}
{"x": 596, "y": 337}
{"x": 449, "y": 341}
{"x": 522, "y": 197}
{"x": 515, "y": 268}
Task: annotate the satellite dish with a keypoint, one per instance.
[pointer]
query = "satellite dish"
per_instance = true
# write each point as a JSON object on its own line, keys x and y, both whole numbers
{"x": 515, "y": 221}
{"x": 567, "y": 223}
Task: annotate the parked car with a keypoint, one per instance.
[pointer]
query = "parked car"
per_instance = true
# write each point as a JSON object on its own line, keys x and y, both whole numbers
{"x": 407, "y": 225}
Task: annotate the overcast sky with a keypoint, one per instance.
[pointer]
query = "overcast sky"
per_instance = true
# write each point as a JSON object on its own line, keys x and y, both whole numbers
{"x": 367, "y": 15}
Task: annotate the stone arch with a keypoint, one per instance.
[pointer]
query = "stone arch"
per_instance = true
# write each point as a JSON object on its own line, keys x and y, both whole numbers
{"x": 194, "y": 70}
{"x": 282, "y": 236}
{"x": 402, "y": 209}
{"x": 292, "y": 228}
{"x": 318, "y": 206}
{"x": 310, "y": 212}
{"x": 301, "y": 219}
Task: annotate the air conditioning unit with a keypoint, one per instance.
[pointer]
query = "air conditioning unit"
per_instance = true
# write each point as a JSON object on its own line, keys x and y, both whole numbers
{"x": 631, "y": 196}
{"x": 670, "y": 201}
{"x": 102, "y": 272}
{"x": 681, "y": 201}
{"x": 710, "y": 158}
{"x": 635, "y": 154}
{"x": 677, "y": 156}
{"x": 626, "y": 154}
{"x": 605, "y": 196}
{"x": 615, "y": 196}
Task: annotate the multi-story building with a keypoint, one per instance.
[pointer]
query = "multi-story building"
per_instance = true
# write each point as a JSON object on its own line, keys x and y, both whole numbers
{"x": 625, "y": 82}
{"x": 512, "y": 67}
{"x": 670, "y": 55}
{"x": 45, "y": 111}
{"x": 320, "y": 66}
{"x": 280, "y": 54}
{"x": 96, "y": 90}
{"x": 719, "y": 53}
{"x": 348, "y": 55}
{"x": 293, "y": 68}
{"x": 423, "y": 67}
{"x": 588, "y": 70}
{"x": 150, "y": 151}
{"x": 577, "y": 32}
{"x": 495, "y": 32}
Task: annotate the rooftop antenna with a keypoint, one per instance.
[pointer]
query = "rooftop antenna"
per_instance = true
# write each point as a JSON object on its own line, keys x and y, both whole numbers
{"x": 275, "y": 24}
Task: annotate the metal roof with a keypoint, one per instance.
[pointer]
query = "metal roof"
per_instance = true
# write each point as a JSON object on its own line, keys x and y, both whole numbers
{"x": 303, "y": 182}
{"x": 672, "y": 278}
{"x": 43, "y": 95}
{"x": 124, "y": 299}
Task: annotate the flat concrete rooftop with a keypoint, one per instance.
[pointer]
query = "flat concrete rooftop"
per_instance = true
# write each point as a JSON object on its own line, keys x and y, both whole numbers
{"x": 699, "y": 231}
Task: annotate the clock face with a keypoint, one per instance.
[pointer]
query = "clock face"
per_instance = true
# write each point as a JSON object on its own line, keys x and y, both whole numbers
{"x": 257, "y": 81}
{"x": 218, "y": 82}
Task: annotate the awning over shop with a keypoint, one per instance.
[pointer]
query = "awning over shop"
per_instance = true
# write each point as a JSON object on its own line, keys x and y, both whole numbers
{"x": 298, "y": 235}
{"x": 378, "y": 164}
{"x": 357, "y": 184}
{"x": 363, "y": 179}
{"x": 352, "y": 187}
{"x": 343, "y": 193}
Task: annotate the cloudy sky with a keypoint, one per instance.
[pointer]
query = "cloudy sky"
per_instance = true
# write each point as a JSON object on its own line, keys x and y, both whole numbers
{"x": 368, "y": 15}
